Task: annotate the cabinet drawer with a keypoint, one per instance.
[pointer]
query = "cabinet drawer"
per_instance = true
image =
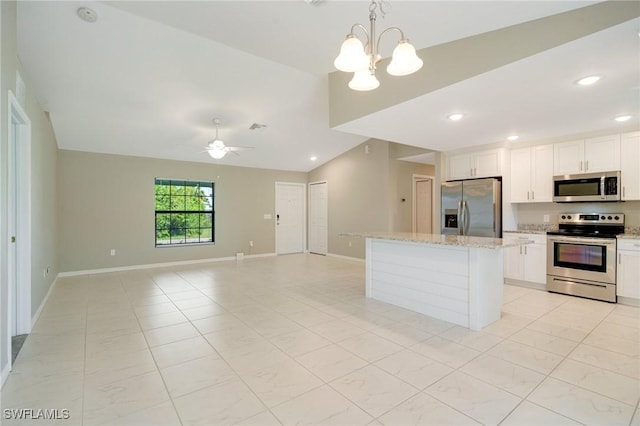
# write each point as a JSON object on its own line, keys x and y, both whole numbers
{"x": 536, "y": 238}
{"x": 628, "y": 244}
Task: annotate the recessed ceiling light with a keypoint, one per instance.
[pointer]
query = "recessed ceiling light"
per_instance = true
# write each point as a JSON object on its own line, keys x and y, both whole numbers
{"x": 588, "y": 81}
{"x": 623, "y": 118}
{"x": 455, "y": 117}
{"x": 313, "y": 158}
{"x": 513, "y": 138}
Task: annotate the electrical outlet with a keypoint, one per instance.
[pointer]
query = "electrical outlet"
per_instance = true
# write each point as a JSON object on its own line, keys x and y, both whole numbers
{"x": 349, "y": 243}
{"x": 545, "y": 218}
{"x": 250, "y": 243}
{"x": 113, "y": 252}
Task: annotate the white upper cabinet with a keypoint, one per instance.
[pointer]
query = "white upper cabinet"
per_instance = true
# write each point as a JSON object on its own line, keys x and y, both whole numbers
{"x": 592, "y": 155}
{"x": 630, "y": 165}
{"x": 476, "y": 165}
{"x": 532, "y": 174}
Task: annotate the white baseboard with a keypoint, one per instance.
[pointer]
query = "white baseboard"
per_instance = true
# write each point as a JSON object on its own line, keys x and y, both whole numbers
{"x": 527, "y": 284}
{"x": 157, "y": 265}
{"x": 339, "y": 256}
{"x": 35, "y": 316}
{"x": 629, "y": 301}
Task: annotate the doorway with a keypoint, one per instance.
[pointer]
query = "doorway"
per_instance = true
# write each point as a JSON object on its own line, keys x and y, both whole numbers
{"x": 422, "y": 204}
{"x": 290, "y": 217}
{"x": 18, "y": 319}
{"x": 318, "y": 218}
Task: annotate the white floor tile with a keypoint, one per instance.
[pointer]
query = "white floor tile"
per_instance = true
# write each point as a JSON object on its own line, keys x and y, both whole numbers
{"x": 321, "y": 406}
{"x": 331, "y": 362}
{"x": 300, "y": 332}
{"x": 580, "y": 404}
{"x": 482, "y": 402}
{"x": 528, "y": 414}
{"x": 374, "y": 390}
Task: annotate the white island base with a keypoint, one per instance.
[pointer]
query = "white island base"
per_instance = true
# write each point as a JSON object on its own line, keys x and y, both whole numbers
{"x": 459, "y": 284}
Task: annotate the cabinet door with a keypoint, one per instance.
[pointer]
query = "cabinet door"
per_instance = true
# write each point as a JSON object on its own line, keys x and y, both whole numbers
{"x": 460, "y": 166}
{"x": 513, "y": 263}
{"x": 602, "y": 154}
{"x": 521, "y": 175}
{"x": 628, "y": 284}
{"x": 542, "y": 173}
{"x": 488, "y": 164}
{"x": 629, "y": 165}
{"x": 568, "y": 158}
{"x": 535, "y": 263}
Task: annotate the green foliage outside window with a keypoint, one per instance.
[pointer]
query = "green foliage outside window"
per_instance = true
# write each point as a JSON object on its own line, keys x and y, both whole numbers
{"x": 184, "y": 212}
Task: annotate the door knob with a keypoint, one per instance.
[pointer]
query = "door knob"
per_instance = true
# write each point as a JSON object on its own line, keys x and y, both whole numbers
{"x": 13, "y": 239}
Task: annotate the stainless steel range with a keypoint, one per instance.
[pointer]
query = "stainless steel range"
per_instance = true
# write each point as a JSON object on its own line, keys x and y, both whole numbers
{"x": 581, "y": 255}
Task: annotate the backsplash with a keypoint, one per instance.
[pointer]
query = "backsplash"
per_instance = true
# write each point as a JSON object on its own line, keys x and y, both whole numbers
{"x": 532, "y": 214}
{"x": 536, "y": 227}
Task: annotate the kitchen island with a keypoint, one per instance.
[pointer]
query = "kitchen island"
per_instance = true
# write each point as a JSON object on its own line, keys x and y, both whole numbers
{"x": 453, "y": 278}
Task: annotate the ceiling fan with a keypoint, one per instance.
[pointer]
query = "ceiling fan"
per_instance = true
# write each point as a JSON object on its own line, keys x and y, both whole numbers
{"x": 217, "y": 149}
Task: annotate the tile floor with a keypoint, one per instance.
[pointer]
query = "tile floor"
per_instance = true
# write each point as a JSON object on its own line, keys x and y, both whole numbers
{"x": 292, "y": 340}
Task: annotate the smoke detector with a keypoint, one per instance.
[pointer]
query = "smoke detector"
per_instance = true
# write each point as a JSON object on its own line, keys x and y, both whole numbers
{"x": 87, "y": 15}
{"x": 256, "y": 126}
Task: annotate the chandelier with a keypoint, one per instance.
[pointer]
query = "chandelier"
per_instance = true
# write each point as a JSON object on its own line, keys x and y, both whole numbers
{"x": 361, "y": 59}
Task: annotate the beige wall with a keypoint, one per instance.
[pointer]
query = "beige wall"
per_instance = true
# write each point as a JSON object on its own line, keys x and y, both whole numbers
{"x": 44, "y": 233}
{"x": 364, "y": 193}
{"x": 107, "y": 202}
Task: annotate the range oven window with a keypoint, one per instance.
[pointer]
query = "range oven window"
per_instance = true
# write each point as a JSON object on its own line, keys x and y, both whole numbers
{"x": 580, "y": 256}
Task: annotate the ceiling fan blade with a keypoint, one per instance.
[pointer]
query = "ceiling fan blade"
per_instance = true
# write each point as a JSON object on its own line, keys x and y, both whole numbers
{"x": 239, "y": 148}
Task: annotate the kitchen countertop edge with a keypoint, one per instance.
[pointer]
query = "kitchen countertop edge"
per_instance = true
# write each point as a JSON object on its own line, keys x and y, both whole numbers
{"x": 440, "y": 239}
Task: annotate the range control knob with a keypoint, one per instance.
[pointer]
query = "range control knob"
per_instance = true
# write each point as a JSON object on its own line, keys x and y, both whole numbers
{"x": 569, "y": 217}
{"x": 564, "y": 217}
{"x": 609, "y": 218}
{"x": 603, "y": 217}
{"x": 617, "y": 217}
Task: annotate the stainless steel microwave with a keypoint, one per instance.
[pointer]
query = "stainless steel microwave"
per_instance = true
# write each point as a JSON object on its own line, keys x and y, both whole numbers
{"x": 603, "y": 186}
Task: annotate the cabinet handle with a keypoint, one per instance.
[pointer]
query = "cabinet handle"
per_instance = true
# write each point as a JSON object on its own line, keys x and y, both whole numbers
{"x": 623, "y": 192}
{"x": 527, "y": 195}
{"x": 520, "y": 249}
{"x": 580, "y": 165}
{"x": 619, "y": 259}
{"x": 586, "y": 166}
{"x": 525, "y": 250}
{"x": 533, "y": 195}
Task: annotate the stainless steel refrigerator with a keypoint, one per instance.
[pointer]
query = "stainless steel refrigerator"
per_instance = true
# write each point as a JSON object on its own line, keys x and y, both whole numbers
{"x": 472, "y": 207}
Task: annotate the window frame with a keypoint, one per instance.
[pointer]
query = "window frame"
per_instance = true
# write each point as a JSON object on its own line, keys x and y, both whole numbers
{"x": 172, "y": 183}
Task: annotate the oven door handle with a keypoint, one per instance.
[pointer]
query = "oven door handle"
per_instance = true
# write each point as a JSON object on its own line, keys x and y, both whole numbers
{"x": 574, "y": 240}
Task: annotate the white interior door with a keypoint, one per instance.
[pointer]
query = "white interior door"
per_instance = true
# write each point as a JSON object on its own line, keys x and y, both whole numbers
{"x": 19, "y": 220}
{"x": 423, "y": 207}
{"x": 12, "y": 215}
{"x": 318, "y": 218}
{"x": 290, "y": 217}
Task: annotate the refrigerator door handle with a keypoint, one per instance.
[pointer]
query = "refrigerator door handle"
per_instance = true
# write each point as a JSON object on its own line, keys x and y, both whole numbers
{"x": 465, "y": 206}
{"x": 460, "y": 217}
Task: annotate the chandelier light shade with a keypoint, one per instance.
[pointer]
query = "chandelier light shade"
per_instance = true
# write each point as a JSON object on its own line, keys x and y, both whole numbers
{"x": 352, "y": 57}
{"x": 404, "y": 60}
{"x": 361, "y": 59}
{"x": 363, "y": 80}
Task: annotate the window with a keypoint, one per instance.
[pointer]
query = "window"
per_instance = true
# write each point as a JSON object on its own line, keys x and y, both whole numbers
{"x": 184, "y": 212}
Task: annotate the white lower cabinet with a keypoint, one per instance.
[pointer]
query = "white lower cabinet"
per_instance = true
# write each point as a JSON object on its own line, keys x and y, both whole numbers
{"x": 528, "y": 262}
{"x": 628, "y": 271}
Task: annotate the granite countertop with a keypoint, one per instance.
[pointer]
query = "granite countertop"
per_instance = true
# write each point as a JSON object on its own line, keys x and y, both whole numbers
{"x": 439, "y": 239}
{"x": 524, "y": 231}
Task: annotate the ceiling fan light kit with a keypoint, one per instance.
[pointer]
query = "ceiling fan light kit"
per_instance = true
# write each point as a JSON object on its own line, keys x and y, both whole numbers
{"x": 217, "y": 148}
{"x": 361, "y": 59}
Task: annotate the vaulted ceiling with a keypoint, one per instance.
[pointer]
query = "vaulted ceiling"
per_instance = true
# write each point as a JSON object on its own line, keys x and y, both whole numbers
{"x": 147, "y": 78}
